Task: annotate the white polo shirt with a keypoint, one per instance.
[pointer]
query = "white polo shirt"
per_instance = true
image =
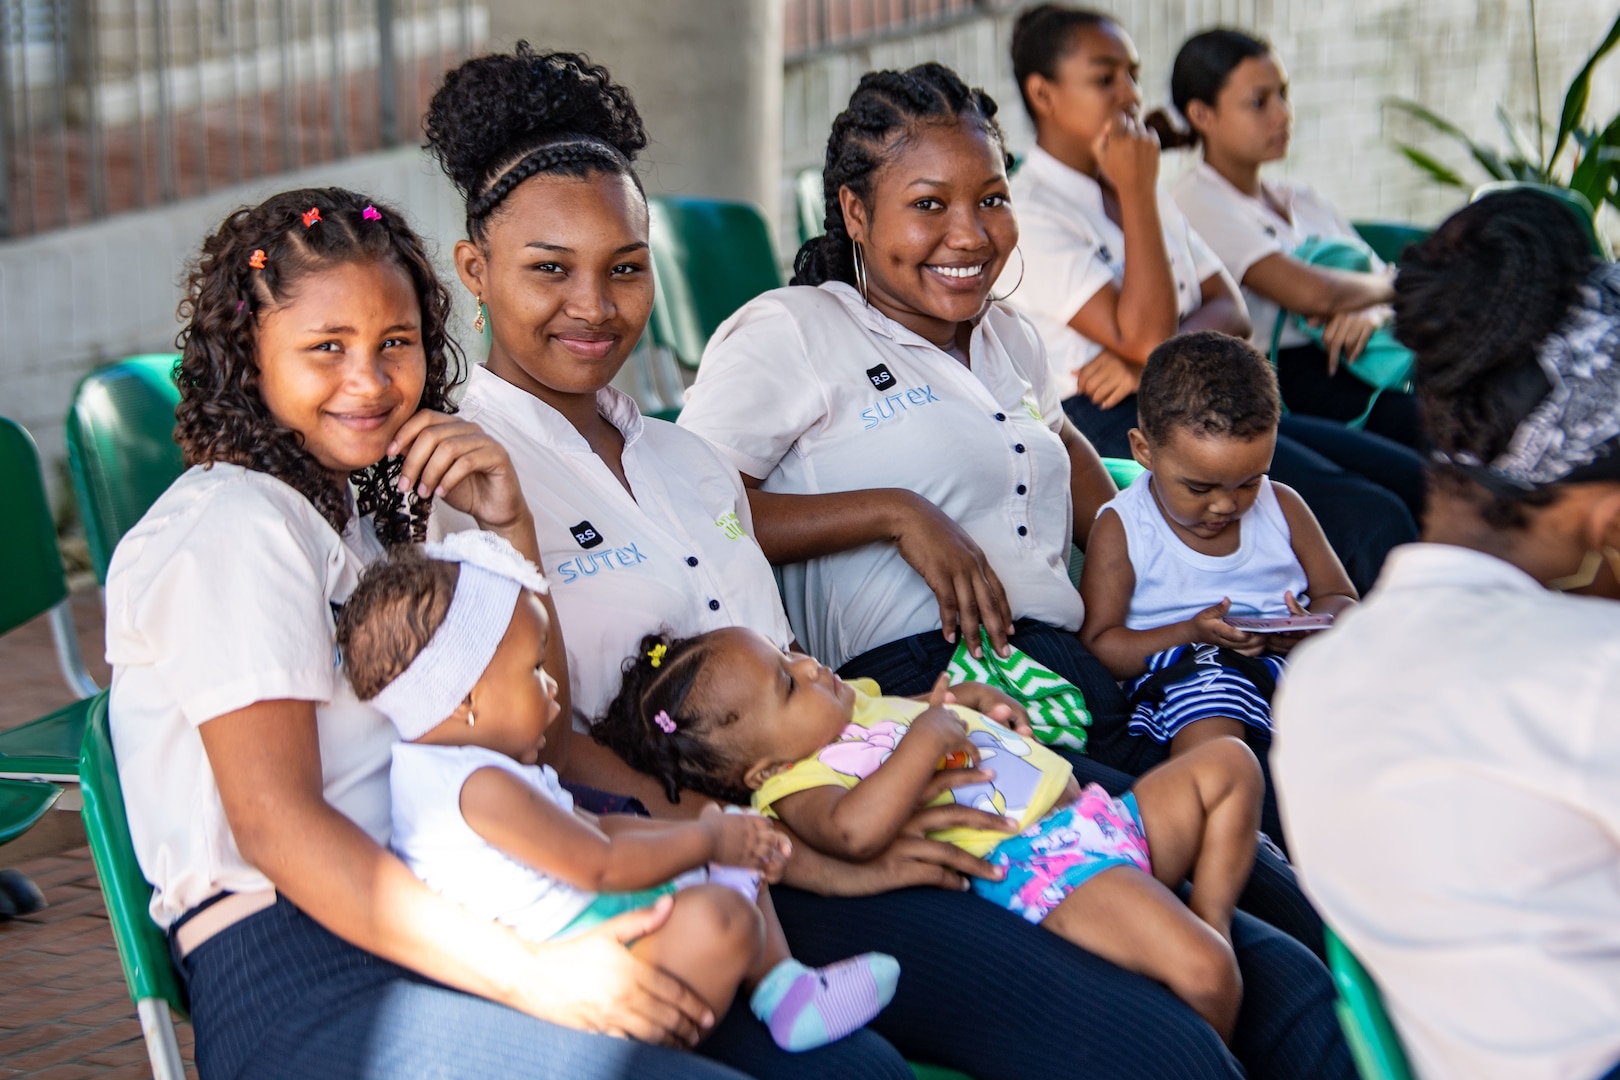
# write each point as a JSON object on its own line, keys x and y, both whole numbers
{"x": 222, "y": 596}
{"x": 1242, "y": 230}
{"x": 1071, "y": 249}
{"x": 1448, "y": 762}
{"x": 678, "y": 555}
{"x": 814, "y": 391}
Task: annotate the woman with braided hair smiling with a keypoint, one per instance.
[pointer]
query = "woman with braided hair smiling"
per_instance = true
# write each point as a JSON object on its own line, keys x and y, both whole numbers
{"x": 912, "y": 471}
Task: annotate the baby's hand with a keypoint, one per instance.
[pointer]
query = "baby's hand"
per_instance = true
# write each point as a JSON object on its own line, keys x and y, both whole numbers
{"x": 745, "y": 840}
{"x": 948, "y": 730}
{"x": 1210, "y": 627}
{"x": 992, "y": 703}
{"x": 1284, "y": 643}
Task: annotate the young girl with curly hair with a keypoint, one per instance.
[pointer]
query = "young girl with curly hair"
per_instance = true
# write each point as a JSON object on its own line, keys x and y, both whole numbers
{"x": 315, "y": 420}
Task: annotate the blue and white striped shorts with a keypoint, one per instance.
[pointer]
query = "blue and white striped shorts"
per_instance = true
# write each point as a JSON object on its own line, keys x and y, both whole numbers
{"x": 1214, "y": 689}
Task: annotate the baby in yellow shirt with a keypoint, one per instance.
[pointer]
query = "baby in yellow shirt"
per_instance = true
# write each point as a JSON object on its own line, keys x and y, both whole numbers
{"x": 728, "y": 715}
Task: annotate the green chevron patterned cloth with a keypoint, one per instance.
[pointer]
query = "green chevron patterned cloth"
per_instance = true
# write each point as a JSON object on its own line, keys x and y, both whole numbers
{"x": 1057, "y": 710}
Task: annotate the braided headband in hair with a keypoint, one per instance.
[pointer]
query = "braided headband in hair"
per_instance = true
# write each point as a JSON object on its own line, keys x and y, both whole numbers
{"x": 1574, "y": 433}
{"x": 574, "y": 149}
{"x": 492, "y": 576}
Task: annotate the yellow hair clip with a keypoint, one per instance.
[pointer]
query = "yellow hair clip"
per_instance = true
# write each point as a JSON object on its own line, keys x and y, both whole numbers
{"x": 656, "y": 654}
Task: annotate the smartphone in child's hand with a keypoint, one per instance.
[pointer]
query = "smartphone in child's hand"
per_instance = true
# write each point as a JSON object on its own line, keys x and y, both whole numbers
{"x": 1278, "y": 624}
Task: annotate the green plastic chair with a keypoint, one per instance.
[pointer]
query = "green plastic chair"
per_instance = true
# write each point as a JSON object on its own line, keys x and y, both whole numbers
{"x": 710, "y": 257}
{"x": 30, "y": 564}
{"x": 121, "y": 448}
{"x": 1374, "y": 1044}
{"x": 1123, "y": 471}
{"x": 935, "y": 1072}
{"x": 1389, "y": 239}
{"x": 23, "y": 802}
{"x": 142, "y": 948}
{"x": 35, "y": 584}
{"x": 1573, "y": 199}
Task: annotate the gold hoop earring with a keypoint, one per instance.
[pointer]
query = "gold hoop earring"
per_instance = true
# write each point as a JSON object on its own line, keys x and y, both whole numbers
{"x": 480, "y": 322}
{"x": 1588, "y": 572}
{"x": 1020, "y": 253}
{"x": 860, "y": 271}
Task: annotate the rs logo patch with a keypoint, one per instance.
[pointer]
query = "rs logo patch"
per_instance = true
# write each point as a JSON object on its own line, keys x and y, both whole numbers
{"x": 585, "y": 533}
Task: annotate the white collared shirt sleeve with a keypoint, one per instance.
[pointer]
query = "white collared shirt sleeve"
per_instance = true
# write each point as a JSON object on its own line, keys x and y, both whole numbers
{"x": 758, "y": 392}
{"x": 1227, "y": 227}
{"x": 219, "y": 598}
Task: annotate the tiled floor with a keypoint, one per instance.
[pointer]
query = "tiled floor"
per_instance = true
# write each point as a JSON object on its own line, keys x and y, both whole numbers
{"x": 64, "y": 1012}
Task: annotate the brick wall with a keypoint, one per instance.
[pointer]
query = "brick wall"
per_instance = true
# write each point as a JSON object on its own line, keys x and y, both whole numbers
{"x": 1457, "y": 57}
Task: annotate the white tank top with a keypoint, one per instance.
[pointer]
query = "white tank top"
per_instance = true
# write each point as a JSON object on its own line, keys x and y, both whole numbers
{"x": 436, "y": 842}
{"x": 1174, "y": 582}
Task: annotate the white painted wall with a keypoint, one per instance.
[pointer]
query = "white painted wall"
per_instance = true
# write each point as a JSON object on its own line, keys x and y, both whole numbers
{"x": 1458, "y": 57}
{"x": 73, "y": 300}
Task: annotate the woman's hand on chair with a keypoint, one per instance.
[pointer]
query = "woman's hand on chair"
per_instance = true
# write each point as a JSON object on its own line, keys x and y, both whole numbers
{"x": 968, "y": 591}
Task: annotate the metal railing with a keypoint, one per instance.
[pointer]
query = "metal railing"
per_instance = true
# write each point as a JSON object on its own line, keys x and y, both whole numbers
{"x": 814, "y": 25}
{"x": 113, "y": 105}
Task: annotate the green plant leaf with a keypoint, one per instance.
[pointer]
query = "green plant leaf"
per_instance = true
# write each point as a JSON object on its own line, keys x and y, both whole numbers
{"x": 1492, "y": 162}
{"x": 1520, "y": 142}
{"x": 1580, "y": 90}
{"x": 1437, "y": 172}
{"x": 1428, "y": 116}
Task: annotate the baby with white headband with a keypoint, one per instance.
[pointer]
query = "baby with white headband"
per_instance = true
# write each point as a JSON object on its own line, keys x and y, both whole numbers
{"x": 447, "y": 641}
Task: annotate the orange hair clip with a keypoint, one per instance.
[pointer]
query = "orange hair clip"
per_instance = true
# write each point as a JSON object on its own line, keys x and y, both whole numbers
{"x": 257, "y": 261}
{"x": 311, "y": 216}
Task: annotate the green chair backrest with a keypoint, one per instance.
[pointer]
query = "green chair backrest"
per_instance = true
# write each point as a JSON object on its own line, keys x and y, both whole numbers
{"x": 1389, "y": 239}
{"x": 121, "y": 448}
{"x": 710, "y": 257}
{"x": 1373, "y": 1042}
{"x": 811, "y": 204}
{"x": 144, "y": 951}
{"x": 30, "y": 565}
{"x": 1573, "y": 199}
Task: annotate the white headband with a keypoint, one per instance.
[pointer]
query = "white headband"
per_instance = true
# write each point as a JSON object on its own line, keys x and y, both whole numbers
{"x": 492, "y": 576}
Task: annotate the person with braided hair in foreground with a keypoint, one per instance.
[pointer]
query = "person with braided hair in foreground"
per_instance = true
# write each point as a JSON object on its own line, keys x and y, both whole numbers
{"x": 315, "y": 420}
{"x": 1446, "y": 756}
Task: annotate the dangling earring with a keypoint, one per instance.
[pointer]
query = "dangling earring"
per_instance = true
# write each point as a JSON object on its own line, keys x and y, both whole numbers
{"x": 480, "y": 322}
{"x": 472, "y": 720}
{"x": 860, "y": 271}
{"x": 1020, "y": 253}
{"x": 1588, "y": 571}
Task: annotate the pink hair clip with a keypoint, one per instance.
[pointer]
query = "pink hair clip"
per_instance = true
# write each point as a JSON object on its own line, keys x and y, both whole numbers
{"x": 371, "y": 213}
{"x": 256, "y": 260}
{"x": 240, "y": 304}
{"x": 665, "y": 724}
{"x": 311, "y": 216}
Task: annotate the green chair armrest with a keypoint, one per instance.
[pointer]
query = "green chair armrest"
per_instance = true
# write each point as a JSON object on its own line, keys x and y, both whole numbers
{"x": 47, "y": 748}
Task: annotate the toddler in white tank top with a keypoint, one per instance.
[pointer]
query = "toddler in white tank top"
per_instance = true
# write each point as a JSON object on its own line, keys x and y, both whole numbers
{"x": 1199, "y": 544}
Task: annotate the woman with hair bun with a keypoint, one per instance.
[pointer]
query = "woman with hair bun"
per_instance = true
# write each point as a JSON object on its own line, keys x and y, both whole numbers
{"x": 1111, "y": 268}
{"x": 639, "y": 524}
{"x": 909, "y": 462}
{"x": 1446, "y": 755}
{"x": 1233, "y": 92}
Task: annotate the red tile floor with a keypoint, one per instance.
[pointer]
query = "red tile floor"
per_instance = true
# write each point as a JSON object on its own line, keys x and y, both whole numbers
{"x": 64, "y": 1012}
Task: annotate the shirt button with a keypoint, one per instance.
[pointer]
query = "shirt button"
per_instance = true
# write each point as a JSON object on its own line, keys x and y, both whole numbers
{"x": 691, "y": 560}
{"x": 1022, "y": 531}
{"x": 1022, "y": 489}
{"x": 1001, "y": 416}
{"x": 1018, "y": 448}
{"x": 1181, "y": 286}
{"x": 714, "y": 605}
